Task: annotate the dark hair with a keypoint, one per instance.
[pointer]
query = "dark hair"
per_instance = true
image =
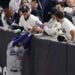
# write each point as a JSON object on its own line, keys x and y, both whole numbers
{"x": 53, "y": 11}
{"x": 59, "y": 14}
{"x": 61, "y": 3}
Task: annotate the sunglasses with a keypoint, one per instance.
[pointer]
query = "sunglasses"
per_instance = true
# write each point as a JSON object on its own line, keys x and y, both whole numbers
{"x": 24, "y": 11}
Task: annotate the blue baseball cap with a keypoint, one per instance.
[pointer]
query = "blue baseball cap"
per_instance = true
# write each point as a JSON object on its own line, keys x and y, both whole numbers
{"x": 25, "y": 8}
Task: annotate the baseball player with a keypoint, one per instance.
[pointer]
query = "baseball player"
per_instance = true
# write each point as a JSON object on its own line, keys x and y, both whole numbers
{"x": 15, "y": 51}
{"x": 17, "y": 46}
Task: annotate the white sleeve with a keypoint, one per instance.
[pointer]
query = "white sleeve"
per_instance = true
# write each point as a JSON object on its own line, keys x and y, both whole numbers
{"x": 68, "y": 26}
{"x": 20, "y": 21}
{"x": 38, "y": 22}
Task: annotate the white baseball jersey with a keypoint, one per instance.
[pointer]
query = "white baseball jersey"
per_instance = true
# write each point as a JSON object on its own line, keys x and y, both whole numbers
{"x": 31, "y": 21}
{"x": 53, "y": 28}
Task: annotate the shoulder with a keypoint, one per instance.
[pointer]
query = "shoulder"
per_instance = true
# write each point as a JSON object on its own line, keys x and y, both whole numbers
{"x": 67, "y": 21}
{"x": 68, "y": 24}
{"x": 34, "y": 17}
{"x": 22, "y": 17}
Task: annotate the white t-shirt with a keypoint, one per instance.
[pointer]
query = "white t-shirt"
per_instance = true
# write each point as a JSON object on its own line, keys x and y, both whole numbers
{"x": 32, "y": 21}
{"x": 67, "y": 26}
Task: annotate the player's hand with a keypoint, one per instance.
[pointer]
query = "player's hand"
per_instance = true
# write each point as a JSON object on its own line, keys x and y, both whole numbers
{"x": 37, "y": 29}
{"x": 45, "y": 24}
{"x": 30, "y": 28}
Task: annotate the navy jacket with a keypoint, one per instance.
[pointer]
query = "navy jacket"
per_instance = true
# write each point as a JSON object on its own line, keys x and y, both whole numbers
{"x": 46, "y": 7}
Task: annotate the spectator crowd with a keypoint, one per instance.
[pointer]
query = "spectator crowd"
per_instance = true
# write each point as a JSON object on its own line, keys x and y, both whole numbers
{"x": 55, "y": 18}
{"x": 52, "y": 17}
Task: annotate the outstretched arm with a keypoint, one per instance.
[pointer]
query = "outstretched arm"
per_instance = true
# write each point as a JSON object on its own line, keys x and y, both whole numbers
{"x": 27, "y": 41}
{"x": 20, "y": 39}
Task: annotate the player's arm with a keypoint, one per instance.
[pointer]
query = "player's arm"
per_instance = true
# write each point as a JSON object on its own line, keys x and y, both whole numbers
{"x": 20, "y": 39}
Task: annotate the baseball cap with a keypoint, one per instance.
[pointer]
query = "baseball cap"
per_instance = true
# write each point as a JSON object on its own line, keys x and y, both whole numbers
{"x": 25, "y": 8}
